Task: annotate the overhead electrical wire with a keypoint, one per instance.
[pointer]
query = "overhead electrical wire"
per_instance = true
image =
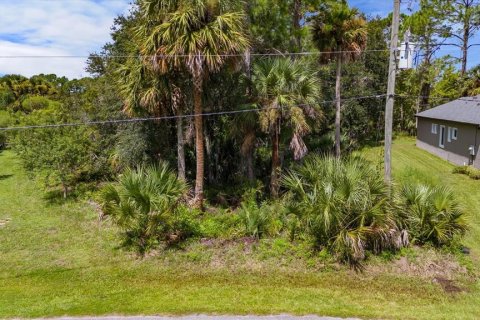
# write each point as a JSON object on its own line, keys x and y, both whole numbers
{"x": 133, "y": 120}
{"x": 271, "y": 54}
{"x": 466, "y": 99}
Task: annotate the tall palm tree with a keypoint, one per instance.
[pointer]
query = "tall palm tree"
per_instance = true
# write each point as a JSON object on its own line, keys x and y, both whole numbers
{"x": 341, "y": 32}
{"x": 199, "y": 36}
{"x": 287, "y": 91}
{"x": 143, "y": 89}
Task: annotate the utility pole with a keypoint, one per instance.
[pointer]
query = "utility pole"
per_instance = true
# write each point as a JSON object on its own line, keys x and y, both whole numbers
{"x": 392, "y": 70}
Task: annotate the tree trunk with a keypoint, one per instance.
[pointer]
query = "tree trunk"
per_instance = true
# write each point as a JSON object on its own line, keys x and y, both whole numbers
{"x": 338, "y": 104}
{"x": 180, "y": 150}
{"x": 210, "y": 162}
{"x": 425, "y": 86}
{"x": 297, "y": 17}
{"x": 249, "y": 155}
{"x": 425, "y": 91}
{"x": 176, "y": 101}
{"x": 199, "y": 141}
{"x": 248, "y": 66}
{"x": 250, "y": 166}
{"x": 466, "y": 37}
{"x": 65, "y": 190}
{"x": 402, "y": 124}
{"x": 274, "y": 178}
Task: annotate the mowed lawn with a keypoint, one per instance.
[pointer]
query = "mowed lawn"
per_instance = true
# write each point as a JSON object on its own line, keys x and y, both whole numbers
{"x": 57, "y": 259}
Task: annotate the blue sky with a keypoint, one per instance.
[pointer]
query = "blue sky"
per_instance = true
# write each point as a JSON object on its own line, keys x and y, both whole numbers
{"x": 79, "y": 27}
{"x": 54, "y": 28}
{"x": 384, "y": 7}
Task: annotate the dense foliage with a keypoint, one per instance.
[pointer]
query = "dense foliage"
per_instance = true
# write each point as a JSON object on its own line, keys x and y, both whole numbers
{"x": 147, "y": 206}
{"x": 344, "y": 206}
{"x": 432, "y": 214}
{"x": 270, "y": 105}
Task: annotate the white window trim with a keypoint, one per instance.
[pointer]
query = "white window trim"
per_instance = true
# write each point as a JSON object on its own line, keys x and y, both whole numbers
{"x": 454, "y": 133}
{"x": 434, "y": 128}
{"x": 449, "y": 135}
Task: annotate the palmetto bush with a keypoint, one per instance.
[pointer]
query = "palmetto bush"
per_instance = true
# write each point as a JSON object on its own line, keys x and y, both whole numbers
{"x": 344, "y": 206}
{"x": 432, "y": 214}
{"x": 257, "y": 219}
{"x": 146, "y": 204}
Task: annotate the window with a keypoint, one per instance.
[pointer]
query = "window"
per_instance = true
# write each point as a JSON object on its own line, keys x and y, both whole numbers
{"x": 434, "y": 128}
{"x": 454, "y": 133}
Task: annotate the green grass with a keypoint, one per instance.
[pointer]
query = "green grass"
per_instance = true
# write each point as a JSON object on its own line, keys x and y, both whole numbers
{"x": 410, "y": 163}
{"x": 57, "y": 259}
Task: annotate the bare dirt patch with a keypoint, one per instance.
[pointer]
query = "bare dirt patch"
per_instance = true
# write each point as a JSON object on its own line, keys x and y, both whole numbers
{"x": 423, "y": 263}
{"x": 449, "y": 286}
{"x": 4, "y": 222}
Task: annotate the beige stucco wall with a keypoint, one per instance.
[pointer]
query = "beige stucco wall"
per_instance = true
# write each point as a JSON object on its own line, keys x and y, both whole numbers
{"x": 455, "y": 151}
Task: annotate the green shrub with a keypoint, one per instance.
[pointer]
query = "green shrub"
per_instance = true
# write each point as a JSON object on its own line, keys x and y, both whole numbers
{"x": 6, "y": 97}
{"x": 474, "y": 174}
{"x": 36, "y": 103}
{"x": 254, "y": 218}
{"x": 432, "y": 214}
{"x": 146, "y": 205}
{"x": 461, "y": 170}
{"x": 5, "y": 121}
{"x": 223, "y": 224}
{"x": 185, "y": 224}
{"x": 343, "y": 206}
{"x": 470, "y": 171}
{"x": 257, "y": 219}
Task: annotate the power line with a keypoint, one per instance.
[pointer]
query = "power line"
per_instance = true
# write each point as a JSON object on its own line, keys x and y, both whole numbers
{"x": 134, "y": 120}
{"x": 271, "y": 54}
{"x": 466, "y": 99}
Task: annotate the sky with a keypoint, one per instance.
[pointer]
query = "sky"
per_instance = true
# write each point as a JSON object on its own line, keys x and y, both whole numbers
{"x": 80, "y": 27}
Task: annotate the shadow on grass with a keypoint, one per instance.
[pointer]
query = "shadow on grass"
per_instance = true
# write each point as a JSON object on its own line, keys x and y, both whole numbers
{"x": 5, "y": 176}
{"x": 42, "y": 272}
{"x": 55, "y": 197}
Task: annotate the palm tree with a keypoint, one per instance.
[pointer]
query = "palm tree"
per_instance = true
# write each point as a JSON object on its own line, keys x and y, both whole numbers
{"x": 340, "y": 32}
{"x": 143, "y": 204}
{"x": 145, "y": 89}
{"x": 287, "y": 91}
{"x": 199, "y": 36}
{"x": 345, "y": 206}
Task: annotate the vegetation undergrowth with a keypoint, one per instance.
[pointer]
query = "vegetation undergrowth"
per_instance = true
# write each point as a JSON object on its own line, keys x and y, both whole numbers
{"x": 339, "y": 206}
{"x": 469, "y": 171}
{"x": 211, "y": 269}
{"x": 147, "y": 206}
{"x": 235, "y": 95}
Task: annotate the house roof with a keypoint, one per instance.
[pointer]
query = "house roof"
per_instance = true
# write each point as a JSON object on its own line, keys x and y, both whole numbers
{"x": 465, "y": 110}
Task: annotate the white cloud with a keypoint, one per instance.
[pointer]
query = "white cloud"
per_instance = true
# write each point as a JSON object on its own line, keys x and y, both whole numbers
{"x": 54, "y": 28}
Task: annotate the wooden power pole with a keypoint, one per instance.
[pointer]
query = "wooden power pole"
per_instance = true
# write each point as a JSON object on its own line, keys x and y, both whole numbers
{"x": 392, "y": 71}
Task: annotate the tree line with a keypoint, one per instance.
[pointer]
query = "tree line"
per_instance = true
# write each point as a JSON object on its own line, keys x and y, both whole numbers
{"x": 185, "y": 57}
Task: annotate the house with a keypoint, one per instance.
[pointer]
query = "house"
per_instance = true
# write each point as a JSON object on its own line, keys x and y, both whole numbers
{"x": 452, "y": 131}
